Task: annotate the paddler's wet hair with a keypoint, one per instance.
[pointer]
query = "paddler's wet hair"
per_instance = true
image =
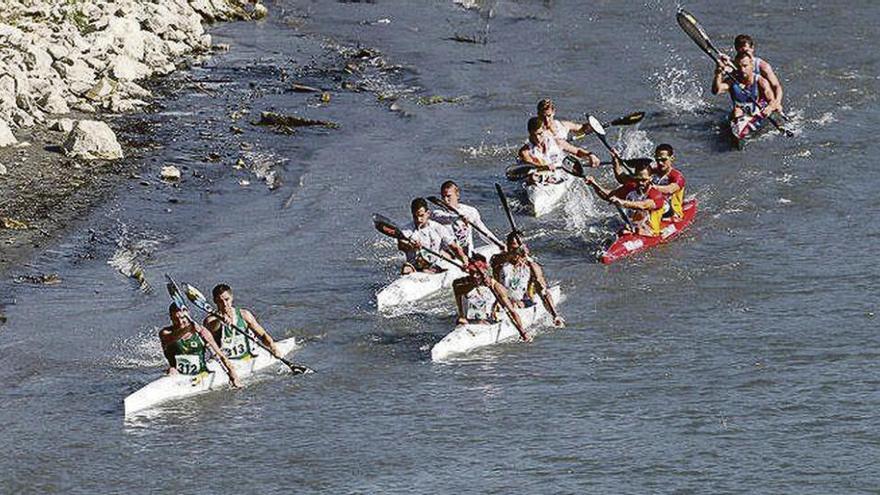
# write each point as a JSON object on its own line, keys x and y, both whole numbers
{"x": 220, "y": 289}
{"x": 743, "y": 40}
{"x": 513, "y": 236}
{"x": 535, "y": 123}
{"x": 174, "y": 308}
{"x": 741, "y": 55}
{"x": 544, "y": 105}
{"x": 417, "y": 204}
{"x": 450, "y": 183}
{"x": 664, "y": 147}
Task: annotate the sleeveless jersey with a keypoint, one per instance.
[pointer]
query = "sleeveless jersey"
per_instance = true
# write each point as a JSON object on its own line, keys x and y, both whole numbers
{"x": 479, "y": 304}
{"x": 232, "y": 342}
{"x": 745, "y": 96}
{"x": 559, "y": 130}
{"x": 676, "y": 199}
{"x": 189, "y": 354}
{"x": 515, "y": 279}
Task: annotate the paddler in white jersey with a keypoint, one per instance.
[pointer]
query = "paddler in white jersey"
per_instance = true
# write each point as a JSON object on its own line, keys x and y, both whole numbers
{"x": 560, "y": 129}
{"x": 477, "y": 295}
{"x": 546, "y": 153}
{"x": 523, "y": 277}
{"x": 425, "y": 232}
{"x": 233, "y": 344}
{"x": 461, "y": 228}
{"x": 184, "y": 343}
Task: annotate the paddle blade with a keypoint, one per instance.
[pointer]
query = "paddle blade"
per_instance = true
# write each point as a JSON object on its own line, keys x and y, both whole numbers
{"x": 518, "y": 172}
{"x": 693, "y": 29}
{"x": 174, "y": 292}
{"x": 197, "y": 298}
{"x": 573, "y": 166}
{"x": 596, "y": 125}
{"x": 633, "y": 118}
{"x": 506, "y": 207}
{"x": 385, "y": 226}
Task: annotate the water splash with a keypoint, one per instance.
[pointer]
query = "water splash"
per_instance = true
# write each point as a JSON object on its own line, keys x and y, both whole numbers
{"x": 679, "y": 90}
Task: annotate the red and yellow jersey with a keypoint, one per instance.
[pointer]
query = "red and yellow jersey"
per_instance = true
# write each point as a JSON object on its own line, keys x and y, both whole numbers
{"x": 676, "y": 199}
{"x": 630, "y": 192}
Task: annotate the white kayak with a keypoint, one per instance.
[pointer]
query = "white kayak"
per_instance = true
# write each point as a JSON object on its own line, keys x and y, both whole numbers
{"x": 172, "y": 387}
{"x": 468, "y": 338}
{"x": 545, "y": 197}
{"x": 419, "y": 285}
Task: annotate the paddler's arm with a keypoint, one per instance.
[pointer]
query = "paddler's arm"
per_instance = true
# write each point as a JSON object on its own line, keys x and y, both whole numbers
{"x": 227, "y": 365}
{"x": 670, "y": 188}
{"x": 501, "y": 296}
{"x": 579, "y": 152}
{"x": 577, "y": 128}
{"x": 770, "y": 76}
{"x": 526, "y": 156}
{"x": 719, "y": 85}
{"x": 168, "y": 352}
{"x": 645, "y": 204}
{"x": 478, "y": 222}
{"x": 261, "y": 332}
{"x": 541, "y": 283}
{"x": 619, "y": 173}
{"x": 600, "y": 191}
{"x": 767, "y": 91}
{"x": 460, "y": 288}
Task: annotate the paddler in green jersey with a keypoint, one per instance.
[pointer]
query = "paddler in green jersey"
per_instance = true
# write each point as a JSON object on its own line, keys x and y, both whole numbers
{"x": 232, "y": 342}
{"x": 184, "y": 344}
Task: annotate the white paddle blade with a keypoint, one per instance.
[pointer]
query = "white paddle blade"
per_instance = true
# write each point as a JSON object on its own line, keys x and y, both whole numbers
{"x": 596, "y": 125}
{"x": 194, "y": 294}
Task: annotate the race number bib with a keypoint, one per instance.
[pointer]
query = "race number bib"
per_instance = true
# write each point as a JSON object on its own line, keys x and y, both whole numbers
{"x": 234, "y": 347}
{"x": 188, "y": 364}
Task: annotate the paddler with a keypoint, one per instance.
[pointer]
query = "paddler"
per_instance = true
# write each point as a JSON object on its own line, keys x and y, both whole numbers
{"x": 461, "y": 227}
{"x": 560, "y": 129}
{"x": 645, "y": 204}
{"x": 748, "y": 89}
{"x": 546, "y": 153}
{"x": 477, "y": 295}
{"x": 184, "y": 343}
{"x": 426, "y": 232}
{"x": 232, "y": 342}
{"x": 744, "y": 43}
{"x": 523, "y": 277}
{"x": 668, "y": 180}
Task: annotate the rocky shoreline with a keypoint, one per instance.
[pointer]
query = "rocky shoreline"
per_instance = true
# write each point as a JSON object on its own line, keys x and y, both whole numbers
{"x": 65, "y": 69}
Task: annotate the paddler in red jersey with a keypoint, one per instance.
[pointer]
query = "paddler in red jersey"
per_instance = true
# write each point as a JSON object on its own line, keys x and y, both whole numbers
{"x": 184, "y": 343}
{"x": 751, "y": 94}
{"x": 668, "y": 180}
{"x": 644, "y": 203}
{"x": 477, "y": 294}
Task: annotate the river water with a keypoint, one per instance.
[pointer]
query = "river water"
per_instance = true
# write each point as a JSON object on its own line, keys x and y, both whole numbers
{"x": 737, "y": 359}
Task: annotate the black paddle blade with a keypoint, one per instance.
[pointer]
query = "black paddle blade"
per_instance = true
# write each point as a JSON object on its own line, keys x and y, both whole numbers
{"x": 299, "y": 369}
{"x": 506, "y": 207}
{"x": 573, "y": 166}
{"x": 633, "y": 118}
{"x": 518, "y": 172}
{"x": 693, "y": 29}
{"x": 385, "y": 226}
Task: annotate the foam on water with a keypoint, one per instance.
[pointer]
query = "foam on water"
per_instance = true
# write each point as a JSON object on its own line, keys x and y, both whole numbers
{"x": 679, "y": 90}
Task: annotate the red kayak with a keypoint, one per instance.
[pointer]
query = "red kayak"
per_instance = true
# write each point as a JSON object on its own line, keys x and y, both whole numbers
{"x": 628, "y": 243}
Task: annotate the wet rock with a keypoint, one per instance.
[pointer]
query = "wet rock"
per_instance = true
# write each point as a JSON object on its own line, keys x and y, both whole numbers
{"x": 282, "y": 120}
{"x": 302, "y": 88}
{"x": 170, "y": 173}
{"x": 6, "y": 136}
{"x": 40, "y": 279}
{"x": 92, "y": 140}
{"x": 12, "y": 224}
{"x": 260, "y": 11}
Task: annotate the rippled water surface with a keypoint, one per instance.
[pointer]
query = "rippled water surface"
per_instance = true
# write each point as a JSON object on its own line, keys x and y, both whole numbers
{"x": 739, "y": 359}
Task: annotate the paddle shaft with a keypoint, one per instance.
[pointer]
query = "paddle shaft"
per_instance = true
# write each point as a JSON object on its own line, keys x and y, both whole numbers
{"x": 398, "y": 234}
{"x": 506, "y": 207}
{"x": 454, "y": 210}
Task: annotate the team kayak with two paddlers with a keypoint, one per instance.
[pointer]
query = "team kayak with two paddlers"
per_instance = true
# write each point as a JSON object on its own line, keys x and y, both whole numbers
{"x": 751, "y": 83}
{"x": 229, "y": 346}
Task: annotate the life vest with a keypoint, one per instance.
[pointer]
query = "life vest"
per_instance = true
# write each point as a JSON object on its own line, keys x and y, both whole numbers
{"x": 479, "y": 304}
{"x": 232, "y": 342}
{"x": 675, "y": 201}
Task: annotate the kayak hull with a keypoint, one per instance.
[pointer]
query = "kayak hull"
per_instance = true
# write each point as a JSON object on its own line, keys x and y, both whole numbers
{"x": 419, "y": 285}
{"x": 174, "y": 387}
{"x": 628, "y": 244}
{"x": 544, "y": 198}
{"x": 747, "y": 128}
{"x": 471, "y": 337}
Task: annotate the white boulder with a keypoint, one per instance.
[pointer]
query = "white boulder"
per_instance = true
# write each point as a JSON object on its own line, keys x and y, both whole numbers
{"x": 6, "y": 137}
{"x": 92, "y": 140}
